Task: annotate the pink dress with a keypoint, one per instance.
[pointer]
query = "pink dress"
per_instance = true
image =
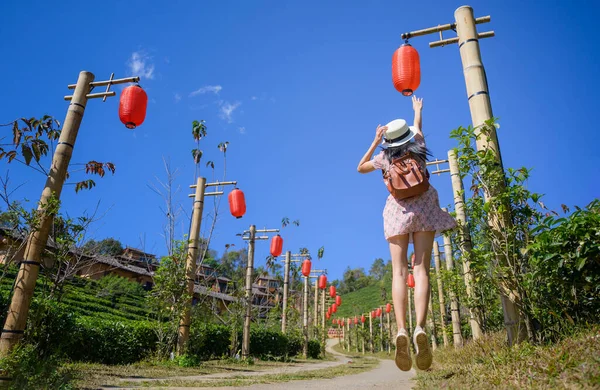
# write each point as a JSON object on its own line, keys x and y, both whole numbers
{"x": 415, "y": 214}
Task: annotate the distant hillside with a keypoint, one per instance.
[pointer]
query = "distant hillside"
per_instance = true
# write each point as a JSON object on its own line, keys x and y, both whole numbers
{"x": 362, "y": 301}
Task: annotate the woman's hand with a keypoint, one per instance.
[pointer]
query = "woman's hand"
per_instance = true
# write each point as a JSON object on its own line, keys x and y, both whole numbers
{"x": 417, "y": 103}
{"x": 379, "y": 134}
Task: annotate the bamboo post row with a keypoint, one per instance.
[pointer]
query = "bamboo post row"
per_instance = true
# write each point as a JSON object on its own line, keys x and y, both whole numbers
{"x": 440, "y": 285}
{"x": 190, "y": 264}
{"x": 316, "y": 308}
{"x": 454, "y": 307}
{"x": 363, "y": 337}
{"x": 389, "y": 328}
{"x": 16, "y": 318}
{"x": 324, "y": 336}
{"x": 464, "y": 238}
{"x": 381, "y": 330}
{"x": 371, "y": 347}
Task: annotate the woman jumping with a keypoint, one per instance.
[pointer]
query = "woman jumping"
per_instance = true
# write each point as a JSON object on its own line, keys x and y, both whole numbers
{"x": 416, "y": 219}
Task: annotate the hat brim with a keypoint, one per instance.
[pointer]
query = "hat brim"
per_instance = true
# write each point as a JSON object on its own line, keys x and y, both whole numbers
{"x": 413, "y": 133}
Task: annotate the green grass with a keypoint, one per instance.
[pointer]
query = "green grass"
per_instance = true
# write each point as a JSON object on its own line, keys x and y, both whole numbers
{"x": 572, "y": 363}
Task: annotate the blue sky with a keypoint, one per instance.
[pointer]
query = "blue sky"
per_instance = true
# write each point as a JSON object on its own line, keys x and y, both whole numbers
{"x": 297, "y": 88}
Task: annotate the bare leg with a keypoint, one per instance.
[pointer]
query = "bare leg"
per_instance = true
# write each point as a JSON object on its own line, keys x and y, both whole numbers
{"x": 398, "y": 251}
{"x": 423, "y": 242}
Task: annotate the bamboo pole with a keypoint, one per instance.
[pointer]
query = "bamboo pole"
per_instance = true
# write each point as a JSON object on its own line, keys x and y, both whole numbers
{"x": 323, "y": 321}
{"x": 286, "y": 286}
{"x": 481, "y": 111}
{"x": 16, "y": 318}
{"x": 454, "y": 307}
{"x": 440, "y": 283}
{"x": 465, "y": 239}
{"x": 249, "y": 278}
{"x": 316, "y": 308}
{"x": 389, "y": 328}
{"x": 381, "y": 331}
{"x": 371, "y": 347}
{"x": 363, "y": 337}
{"x": 410, "y": 315}
{"x": 432, "y": 322}
{"x": 305, "y": 318}
{"x": 190, "y": 265}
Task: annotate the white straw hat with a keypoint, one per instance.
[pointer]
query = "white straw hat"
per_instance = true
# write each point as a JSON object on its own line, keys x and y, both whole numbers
{"x": 398, "y": 133}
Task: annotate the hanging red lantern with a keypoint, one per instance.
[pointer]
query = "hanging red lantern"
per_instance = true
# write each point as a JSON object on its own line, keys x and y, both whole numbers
{"x": 306, "y": 267}
{"x": 323, "y": 282}
{"x": 406, "y": 69}
{"x": 342, "y": 323}
{"x": 388, "y": 308}
{"x": 332, "y": 291}
{"x": 276, "y": 245}
{"x": 328, "y": 315}
{"x": 333, "y": 307}
{"x": 329, "y": 310}
{"x": 362, "y": 318}
{"x": 338, "y": 300}
{"x": 132, "y": 106}
{"x": 378, "y": 312}
{"x": 355, "y": 320}
{"x": 237, "y": 203}
{"x": 373, "y": 314}
{"x": 411, "y": 281}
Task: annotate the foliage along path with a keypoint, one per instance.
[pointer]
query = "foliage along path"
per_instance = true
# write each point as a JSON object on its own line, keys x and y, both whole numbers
{"x": 385, "y": 375}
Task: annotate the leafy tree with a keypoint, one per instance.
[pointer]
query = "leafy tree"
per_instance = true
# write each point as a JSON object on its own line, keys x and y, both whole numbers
{"x": 107, "y": 247}
{"x": 377, "y": 270}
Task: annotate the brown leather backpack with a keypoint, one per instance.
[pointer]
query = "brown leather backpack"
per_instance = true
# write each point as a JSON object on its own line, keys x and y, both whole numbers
{"x": 405, "y": 177}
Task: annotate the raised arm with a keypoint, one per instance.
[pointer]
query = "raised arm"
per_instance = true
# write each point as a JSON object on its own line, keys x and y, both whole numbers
{"x": 418, "y": 107}
{"x": 365, "y": 165}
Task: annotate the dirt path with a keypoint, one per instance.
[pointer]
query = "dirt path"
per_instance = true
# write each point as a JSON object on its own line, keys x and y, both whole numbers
{"x": 386, "y": 375}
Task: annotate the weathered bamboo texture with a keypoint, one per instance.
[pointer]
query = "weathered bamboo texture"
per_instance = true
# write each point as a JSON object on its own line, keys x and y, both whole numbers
{"x": 190, "y": 264}
{"x": 305, "y": 318}
{"x": 371, "y": 346}
{"x": 464, "y": 239}
{"x": 440, "y": 283}
{"x": 454, "y": 307}
{"x": 481, "y": 111}
{"x": 16, "y": 318}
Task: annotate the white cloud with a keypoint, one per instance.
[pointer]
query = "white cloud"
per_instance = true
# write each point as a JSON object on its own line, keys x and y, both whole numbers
{"x": 177, "y": 98}
{"x": 206, "y": 89}
{"x": 227, "y": 110}
{"x": 253, "y": 98}
{"x": 140, "y": 65}
{"x": 242, "y": 130}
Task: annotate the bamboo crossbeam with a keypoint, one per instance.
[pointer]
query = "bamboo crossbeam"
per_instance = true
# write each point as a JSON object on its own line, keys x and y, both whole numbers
{"x": 267, "y": 230}
{"x": 213, "y": 193}
{"x": 107, "y": 82}
{"x": 221, "y": 183}
{"x": 94, "y": 95}
{"x": 435, "y": 162}
{"x": 440, "y": 171}
{"x": 450, "y": 41}
{"x": 440, "y": 28}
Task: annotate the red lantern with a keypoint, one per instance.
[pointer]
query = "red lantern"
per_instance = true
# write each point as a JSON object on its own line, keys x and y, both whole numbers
{"x": 406, "y": 69}
{"x": 362, "y": 318}
{"x": 332, "y": 291}
{"x": 276, "y": 245}
{"x": 132, "y": 106}
{"x": 323, "y": 282}
{"x": 373, "y": 314}
{"x": 333, "y": 307}
{"x": 328, "y": 315}
{"x": 237, "y": 203}
{"x": 378, "y": 312}
{"x": 411, "y": 281}
{"x": 388, "y": 308}
{"x": 338, "y": 300}
{"x": 355, "y": 320}
{"x": 342, "y": 323}
{"x": 329, "y": 310}
{"x": 306, "y": 267}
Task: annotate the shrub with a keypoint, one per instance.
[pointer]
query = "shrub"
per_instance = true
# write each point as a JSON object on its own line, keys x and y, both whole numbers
{"x": 209, "y": 341}
{"x": 314, "y": 349}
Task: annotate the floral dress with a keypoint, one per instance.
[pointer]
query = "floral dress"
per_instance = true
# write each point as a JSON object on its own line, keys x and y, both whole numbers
{"x": 416, "y": 214}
